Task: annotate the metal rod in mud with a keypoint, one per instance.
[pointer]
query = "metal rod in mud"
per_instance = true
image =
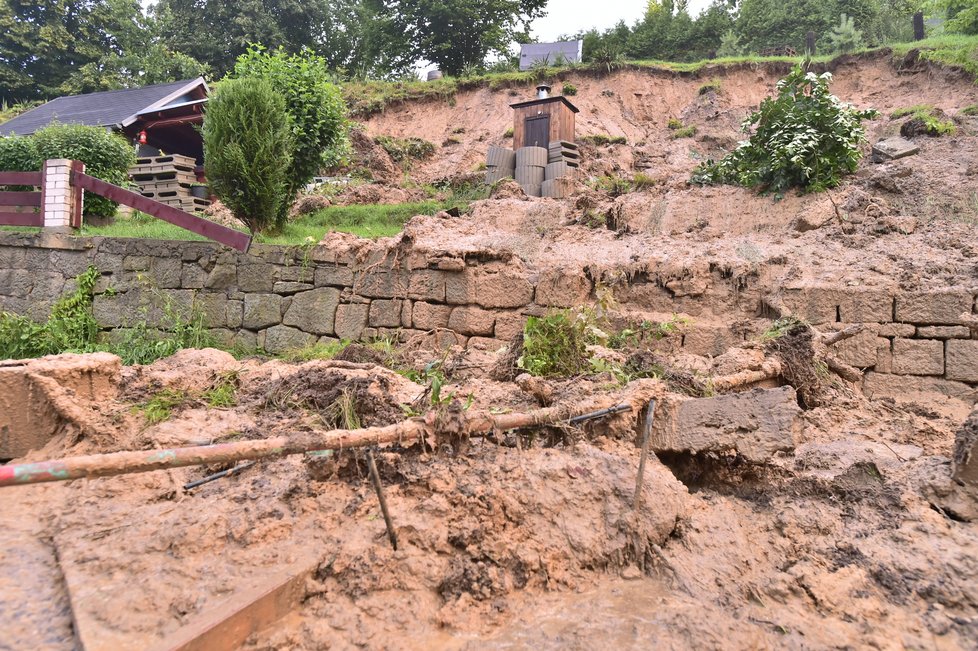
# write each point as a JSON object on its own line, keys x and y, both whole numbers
{"x": 218, "y": 475}
{"x": 646, "y": 435}
{"x": 375, "y": 478}
{"x": 617, "y": 409}
{"x": 429, "y": 427}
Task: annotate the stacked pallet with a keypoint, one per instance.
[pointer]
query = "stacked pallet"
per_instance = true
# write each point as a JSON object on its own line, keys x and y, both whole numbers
{"x": 499, "y": 164}
{"x": 168, "y": 179}
{"x": 563, "y": 160}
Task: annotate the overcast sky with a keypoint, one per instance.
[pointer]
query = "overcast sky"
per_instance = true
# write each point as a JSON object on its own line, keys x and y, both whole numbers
{"x": 572, "y": 16}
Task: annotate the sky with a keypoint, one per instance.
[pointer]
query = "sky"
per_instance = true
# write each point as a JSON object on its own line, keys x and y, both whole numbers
{"x": 572, "y": 16}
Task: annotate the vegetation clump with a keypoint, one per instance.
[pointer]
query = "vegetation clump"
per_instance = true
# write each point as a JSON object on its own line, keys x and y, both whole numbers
{"x": 805, "y": 137}
{"x": 556, "y": 344}
{"x": 924, "y": 120}
{"x": 601, "y": 139}
{"x": 712, "y": 86}
{"x": 406, "y": 149}
{"x": 680, "y": 130}
{"x": 569, "y": 89}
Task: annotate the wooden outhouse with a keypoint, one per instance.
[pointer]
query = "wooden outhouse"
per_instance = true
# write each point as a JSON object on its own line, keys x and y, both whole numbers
{"x": 540, "y": 121}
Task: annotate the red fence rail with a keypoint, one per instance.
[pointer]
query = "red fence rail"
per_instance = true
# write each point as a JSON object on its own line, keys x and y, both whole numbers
{"x": 21, "y": 208}
{"x": 218, "y": 233}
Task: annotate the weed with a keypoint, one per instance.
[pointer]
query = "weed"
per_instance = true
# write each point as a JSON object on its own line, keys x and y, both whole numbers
{"x": 406, "y": 149}
{"x": 177, "y": 328}
{"x": 642, "y": 181}
{"x": 970, "y": 110}
{"x": 647, "y": 331}
{"x": 481, "y": 167}
{"x": 508, "y": 133}
{"x": 343, "y": 413}
{"x": 601, "y": 139}
{"x": 160, "y": 407}
{"x": 458, "y": 130}
{"x": 316, "y": 351}
{"x": 675, "y": 124}
{"x": 615, "y": 186}
{"x": 569, "y": 89}
{"x": 781, "y": 327}
{"x": 910, "y": 110}
{"x": 556, "y": 344}
{"x": 712, "y": 86}
{"x": 685, "y": 132}
{"x": 928, "y": 119}
{"x": 451, "y": 140}
{"x": 592, "y": 219}
{"x": 222, "y": 393}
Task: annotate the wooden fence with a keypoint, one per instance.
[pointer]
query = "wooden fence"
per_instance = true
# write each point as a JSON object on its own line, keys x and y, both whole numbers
{"x": 21, "y": 208}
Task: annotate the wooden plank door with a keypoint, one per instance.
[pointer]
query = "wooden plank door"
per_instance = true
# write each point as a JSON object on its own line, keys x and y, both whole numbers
{"x": 537, "y": 131}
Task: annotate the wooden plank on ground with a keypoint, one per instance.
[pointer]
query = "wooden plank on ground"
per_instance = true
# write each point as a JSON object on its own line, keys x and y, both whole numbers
{"x": 211, "y": 230}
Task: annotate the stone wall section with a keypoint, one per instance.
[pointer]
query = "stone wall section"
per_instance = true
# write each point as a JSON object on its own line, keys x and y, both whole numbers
{"x": 278, "y": 297}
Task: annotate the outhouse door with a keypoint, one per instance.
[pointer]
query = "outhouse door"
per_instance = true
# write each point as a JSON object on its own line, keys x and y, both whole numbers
{"x": 537, "y": 131}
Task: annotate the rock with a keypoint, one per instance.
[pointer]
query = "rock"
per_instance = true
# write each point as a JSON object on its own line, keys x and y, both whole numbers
{"x": 280, "y": 338}
{"x": 964, "y": 465}
{"x": 755, "y": 424}
{"x": 893, "y": 148}
{"x": 313, "y": 311}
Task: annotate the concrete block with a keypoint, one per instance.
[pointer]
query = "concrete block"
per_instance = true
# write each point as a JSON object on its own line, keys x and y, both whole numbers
{"x": 918, "y": 357}
{"x": 943, "y": 332}
{"x": 893, "y": 148}
{"x": 933, "y": 308}
{"x": 27, "y": 419}
{"x": 313, "y": 311}
{"x": 472, "y": 321}
{"x": 962, "y": 360}
{"x": 755, "y": 424}
{"x": 529, "y": 175}
{"x": 531, "y": 157}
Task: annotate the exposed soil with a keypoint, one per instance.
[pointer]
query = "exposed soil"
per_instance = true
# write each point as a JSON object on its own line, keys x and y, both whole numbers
{"x": 856, "y": 538}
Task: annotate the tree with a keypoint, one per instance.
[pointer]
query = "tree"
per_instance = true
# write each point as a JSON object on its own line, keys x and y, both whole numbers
{"x": 455, "y": 34}
{"x": 844, "y": 37}
{"x": 962, "y": 16}
{"x": 730, "y": 45}
{"x": 358, "y": 40}
{"x": 248, "y": 146}
{"x": 217, "y": 32}
{"x": 314, "y": 109}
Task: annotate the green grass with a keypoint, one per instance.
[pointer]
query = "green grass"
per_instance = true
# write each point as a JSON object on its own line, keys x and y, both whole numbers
{"x": 970, "y": 110}
{"x": 955, "y": 50}
{"x": 601, "y": 139}
{"x": 929, "y": 116}
{"x": 160, "y": 407}
{"x": 910, "y": 110}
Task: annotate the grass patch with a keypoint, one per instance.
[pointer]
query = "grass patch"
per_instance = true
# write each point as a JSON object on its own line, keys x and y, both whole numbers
{"x": 160, "y": 407}
{"x": 601, "y": 139}
{"x": 684, "y": 132}
{"x": 970, "y": 110}
{"x": 953, "y": 50}
{"x": 929, "y": 117}
{"x": 615, "y": 186}
{"x": 569, "y": 89}
{"x": 406, "y": 149}
{"x": 315, "y": 351}
{"x": 712, "y": 86}
{"x": 508, "y": 133}
{"x": 642, "y": 181}
{"x": 223, "y": 392}
{"x": 910, "y": 110}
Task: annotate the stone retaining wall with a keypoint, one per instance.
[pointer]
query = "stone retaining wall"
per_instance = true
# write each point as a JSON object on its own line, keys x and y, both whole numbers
{"x": 277, "y": 298}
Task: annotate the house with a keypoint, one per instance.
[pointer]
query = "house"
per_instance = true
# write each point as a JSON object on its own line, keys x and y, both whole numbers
{"x": 161, "y": 117}
{"x": 532, "y": 54}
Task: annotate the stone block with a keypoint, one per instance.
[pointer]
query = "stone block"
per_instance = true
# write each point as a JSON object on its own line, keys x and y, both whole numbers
{"x": 893, "y": 148}
{"x": 964, "y": 462}
{"x": 313, "y": 311}
{"x": 351, "y": 319}
{"x": 472, "y": 321}
{"x": 562, "y": 288}
{"x": 331, "y": 275}
{"x": 508, "y": 325}
{"x": 708, "y": 340}
{"x": 192, "y": 276}
{"x": 280, "y": 338}
{"x": 756, "y": 424}
{"x": 213, "y": 307}
{"x": 490, "y": 286}
{"x": 234, "y": 314}
{"x": 428, "y": 285}
{"x": 166, "y": 273}
{"x": 933, "y": 308}
{"x": 909, "y": 387}
{"x": 428, "y": 316}
{"x": 486, "y": 343}
{"x": 222, "y": 276}
{"x": 863, "y": 305}
{"x": 861, "y": 351}
{"x": 943, "y": 332}
{"x": 290, "y": 287}
{"x": 257, "y": 277}
{"x": 261, "y": 311}
{"x": 884, "y": 356}
{"x": 385, "y": 313}
{"x": 962, "y": 360}
{"x": 918, "y": 357}
{"x": 297, "y": 274}
{"x": 382, "y": 283}
{"x": 136, "y": 263}
{"x": 896, "y": 330}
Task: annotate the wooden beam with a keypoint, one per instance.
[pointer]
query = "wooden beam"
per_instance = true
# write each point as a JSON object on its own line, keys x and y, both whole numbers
{"x": 32, "y": 199}
{"x": 20, "y": 178}
{"x": 21, "y": 219}
{"x": 210, "y": 230}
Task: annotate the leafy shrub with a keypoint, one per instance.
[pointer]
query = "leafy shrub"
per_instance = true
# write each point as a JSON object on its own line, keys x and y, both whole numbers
{"x": 556, "y": 344}
{"x": 805, "y": 137}
{"x": 569, "y": 89}
{"x": 604, "y": 139}
{"x": 248, "y": 145}
{"x": 106, "y": 156}
{"x": 730, "y": 45}
{"x": 406, "y": 149}
{"x": 844, "y": 37}
{"x": 70, "y": 327}
{"x": 314, "y": 106}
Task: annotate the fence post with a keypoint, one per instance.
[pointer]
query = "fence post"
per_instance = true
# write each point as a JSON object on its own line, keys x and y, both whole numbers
{"x": 810, "y": 44}
{"x": 62, "y": 203}
{"x": 918, "y": 26}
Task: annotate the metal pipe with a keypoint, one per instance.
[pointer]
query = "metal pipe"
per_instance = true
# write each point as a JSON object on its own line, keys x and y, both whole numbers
{"x": 218, "y": 475}
{"x": 646, "y": 434}
{"x": 543, "y": 91}
{"x": 617, "y": 409}
{"x": 375, "y": 478}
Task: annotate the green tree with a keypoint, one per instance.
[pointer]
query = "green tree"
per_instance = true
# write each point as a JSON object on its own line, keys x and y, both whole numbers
{"x": 730, "y": 45}
{"x": 844, "y": 37}
{"x": 314, "y": 107}
{"x": 962, "y": 16}
{"x": 455, "y": 34}
{"x": 248, "y": 147}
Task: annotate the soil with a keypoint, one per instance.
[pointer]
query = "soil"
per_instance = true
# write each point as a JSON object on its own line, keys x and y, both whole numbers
{"x": 856, "y": 538}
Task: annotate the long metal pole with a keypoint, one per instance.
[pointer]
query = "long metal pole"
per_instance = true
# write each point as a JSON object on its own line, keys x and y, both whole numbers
{"x": 646, "y": 434}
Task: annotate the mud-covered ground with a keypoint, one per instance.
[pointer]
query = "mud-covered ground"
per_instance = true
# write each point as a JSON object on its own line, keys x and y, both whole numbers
{"x": 846, "y": 542}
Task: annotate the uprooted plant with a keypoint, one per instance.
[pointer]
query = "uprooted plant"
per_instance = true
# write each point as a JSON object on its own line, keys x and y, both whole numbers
{"x": 805, "y": 137}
